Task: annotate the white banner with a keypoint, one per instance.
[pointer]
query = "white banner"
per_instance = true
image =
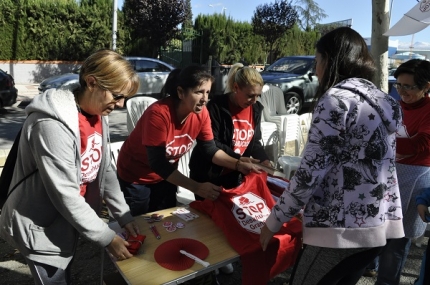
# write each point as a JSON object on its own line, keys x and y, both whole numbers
{"x": 415, "y": 20}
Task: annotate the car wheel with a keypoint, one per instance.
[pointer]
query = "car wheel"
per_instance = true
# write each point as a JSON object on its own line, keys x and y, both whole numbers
{"x": 293, "y": 104}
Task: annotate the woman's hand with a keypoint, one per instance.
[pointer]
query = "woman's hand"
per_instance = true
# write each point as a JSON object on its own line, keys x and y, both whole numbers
{"x": 208, "y": 191}
{"x": 132, "y": 229}
{"x": 117, "y": 248}
{"x": 265, "y": 237}
{"x": 248, "y": 159}
{"x": 267, "y": 163}
{"x": 247, "y": 167}
{"x": 423, "y": 211}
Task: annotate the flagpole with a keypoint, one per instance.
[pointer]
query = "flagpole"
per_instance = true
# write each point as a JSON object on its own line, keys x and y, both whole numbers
{"x": 114, "y": 24}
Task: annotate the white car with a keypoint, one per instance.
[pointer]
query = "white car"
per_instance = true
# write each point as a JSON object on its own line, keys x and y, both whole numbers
{"x": 152, "y": 74}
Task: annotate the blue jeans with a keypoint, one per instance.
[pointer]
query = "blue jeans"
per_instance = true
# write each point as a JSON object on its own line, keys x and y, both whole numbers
{"x": 144, "y": 198}
{"x": 392, "y": 260}
{"x": 374, "y": 265}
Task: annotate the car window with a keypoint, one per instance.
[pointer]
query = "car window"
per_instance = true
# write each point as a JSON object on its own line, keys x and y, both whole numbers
{"x": 288, "y": 65}
{"x": 150, "y": 66}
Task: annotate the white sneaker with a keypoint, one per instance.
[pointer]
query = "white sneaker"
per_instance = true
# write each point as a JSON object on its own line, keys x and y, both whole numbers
{"x": 227, "y": 269}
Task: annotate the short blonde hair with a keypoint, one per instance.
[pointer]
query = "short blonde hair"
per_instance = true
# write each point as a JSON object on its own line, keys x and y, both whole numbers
{"x": 111, "y": 70}
{"x": 242, "y": 76}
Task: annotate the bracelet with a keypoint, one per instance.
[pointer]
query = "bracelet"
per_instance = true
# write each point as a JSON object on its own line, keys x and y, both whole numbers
{"x": 237, "y": 164}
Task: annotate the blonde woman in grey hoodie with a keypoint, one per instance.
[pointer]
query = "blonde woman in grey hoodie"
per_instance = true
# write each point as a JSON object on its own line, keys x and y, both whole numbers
{"x": 64, "y": 143}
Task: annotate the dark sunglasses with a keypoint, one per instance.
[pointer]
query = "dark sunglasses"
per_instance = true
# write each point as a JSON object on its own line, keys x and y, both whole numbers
{"x": 117, "y": 97}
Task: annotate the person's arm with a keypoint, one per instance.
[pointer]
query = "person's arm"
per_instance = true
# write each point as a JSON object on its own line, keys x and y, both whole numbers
{"x": 423, "y": 202}
{"x": 219, "y": 157}
{"x": 216, "y": 118}
{"x": 160, "y": 165}
{"x": 54, "y": 151}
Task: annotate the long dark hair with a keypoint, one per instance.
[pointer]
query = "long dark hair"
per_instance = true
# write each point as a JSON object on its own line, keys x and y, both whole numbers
{"x": 346, "y": 55}
{"x": 418, "y": 68}
{"x": 189, "y": 77}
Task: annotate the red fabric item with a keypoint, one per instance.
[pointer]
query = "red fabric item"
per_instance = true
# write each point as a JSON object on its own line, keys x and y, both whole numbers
{"x": 135, "y": 243}
{"x": 168, "y": 256}
{"x": 159, "y": 126}
{"x": 240, "y": 213}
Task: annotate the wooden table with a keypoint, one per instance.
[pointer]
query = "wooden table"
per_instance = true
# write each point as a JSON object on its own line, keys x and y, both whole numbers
{"x": 143, "y": 269}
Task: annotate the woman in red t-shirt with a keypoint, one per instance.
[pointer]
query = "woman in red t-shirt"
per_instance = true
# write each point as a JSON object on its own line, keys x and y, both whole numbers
{"x": 147, "y": 162}
{"x": 412, "y": 162}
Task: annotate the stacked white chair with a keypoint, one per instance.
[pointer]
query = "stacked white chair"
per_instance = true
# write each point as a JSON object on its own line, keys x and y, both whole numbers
{"x": 115, "y": 147}
{"x": 270, "y": 139}
{"x": 136, "y": 105}
{"x": 288, "y": 125}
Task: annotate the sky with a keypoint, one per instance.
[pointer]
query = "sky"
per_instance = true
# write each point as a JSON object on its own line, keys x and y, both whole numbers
{"x": 360, "y": 11}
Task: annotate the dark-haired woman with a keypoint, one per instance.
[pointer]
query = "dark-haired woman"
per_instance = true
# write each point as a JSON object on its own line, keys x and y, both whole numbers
{"x": 412, "y": 162}
{"x": 147, "y": 162}
{"x": 346, "y": 181}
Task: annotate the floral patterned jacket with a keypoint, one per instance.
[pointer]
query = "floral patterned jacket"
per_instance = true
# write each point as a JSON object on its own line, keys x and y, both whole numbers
{"x": 347, "y": 181}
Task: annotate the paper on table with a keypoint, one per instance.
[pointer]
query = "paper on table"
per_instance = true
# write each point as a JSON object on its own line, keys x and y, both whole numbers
{"x": 185, "y": 214}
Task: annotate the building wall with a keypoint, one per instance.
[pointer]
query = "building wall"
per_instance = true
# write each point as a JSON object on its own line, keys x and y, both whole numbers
{"x": 34, "y": 72}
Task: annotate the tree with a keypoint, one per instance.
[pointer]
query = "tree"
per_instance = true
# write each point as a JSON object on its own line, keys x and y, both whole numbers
{"x": 272, "y": 21}
{"x": 156, "y": 20}
{"x": 310, "y": 13}
{"x": 379, "y": 42}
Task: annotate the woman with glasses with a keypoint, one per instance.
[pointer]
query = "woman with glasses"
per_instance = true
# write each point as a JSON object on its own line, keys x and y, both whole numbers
{"x": 346, "y": 182}
{"x": 63, "y": 171}
{"x": 412, "y": 162}
{"x": 148, "y": 160}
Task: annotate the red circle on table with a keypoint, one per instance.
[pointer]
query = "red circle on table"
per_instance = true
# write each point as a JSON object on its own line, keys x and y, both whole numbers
{"x": 168, "y": 256}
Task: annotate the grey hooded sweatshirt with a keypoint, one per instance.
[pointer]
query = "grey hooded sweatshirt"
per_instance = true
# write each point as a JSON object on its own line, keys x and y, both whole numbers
{"x": 45, "y": 214}
{"x": 347, "y": 181}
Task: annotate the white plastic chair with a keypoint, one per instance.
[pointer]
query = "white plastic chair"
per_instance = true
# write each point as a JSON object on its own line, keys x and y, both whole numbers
{"x": 270, "y": 140}
{"x": 135, "y": 107}
{"x": 115, "y": 147}
{"x": 185, "y": 196}
{"x": 275, "y": 112}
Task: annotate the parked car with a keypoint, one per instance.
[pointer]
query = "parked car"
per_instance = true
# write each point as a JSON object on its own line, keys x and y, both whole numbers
{"x": 152, "y": 74}
{"x": 8, "y": 92}
{"x": 59, "y": 80}
{"x": 295, "y": 75}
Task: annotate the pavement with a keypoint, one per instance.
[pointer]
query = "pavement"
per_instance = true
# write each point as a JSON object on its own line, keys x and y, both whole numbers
{"x": 26, "y": 92}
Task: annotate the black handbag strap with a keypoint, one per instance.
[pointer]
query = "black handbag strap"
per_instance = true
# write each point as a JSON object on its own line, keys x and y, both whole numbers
{"x": 7, "y": 172}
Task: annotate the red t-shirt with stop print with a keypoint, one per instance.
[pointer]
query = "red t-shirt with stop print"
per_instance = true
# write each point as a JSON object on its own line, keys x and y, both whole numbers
{"x": 241, "y": 213}
{"x": 159, "y": 126}
{"x": 243, "y": 126}
{"x": 90, "y": 128}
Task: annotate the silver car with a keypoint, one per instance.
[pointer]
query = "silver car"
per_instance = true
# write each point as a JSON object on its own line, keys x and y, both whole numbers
{"x": 152, "y": 74}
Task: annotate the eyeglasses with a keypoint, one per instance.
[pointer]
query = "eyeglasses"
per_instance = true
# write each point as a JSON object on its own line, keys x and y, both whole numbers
{"x": 399, "y": 86}
{"x": 117, "y": 97}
